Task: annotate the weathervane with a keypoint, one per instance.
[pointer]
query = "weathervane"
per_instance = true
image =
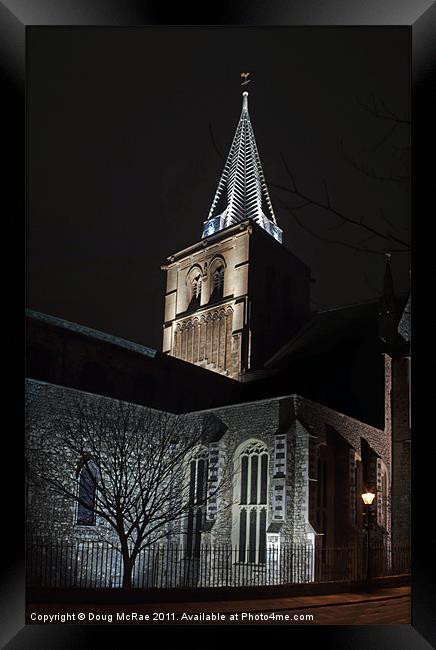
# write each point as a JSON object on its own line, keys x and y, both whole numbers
{"x": 246, "y": 80}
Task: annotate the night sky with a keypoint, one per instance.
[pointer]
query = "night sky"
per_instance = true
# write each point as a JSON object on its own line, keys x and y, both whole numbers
{"x": 122, "y": 168}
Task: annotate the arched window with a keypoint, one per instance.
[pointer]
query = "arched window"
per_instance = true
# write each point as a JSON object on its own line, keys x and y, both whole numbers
{"x": 87, "y": 484}
{"x": 217, "y": 283}
{"x": 197, "y": 501}
{"x": 252, "y": 498}
{"x": 196, "y": 284}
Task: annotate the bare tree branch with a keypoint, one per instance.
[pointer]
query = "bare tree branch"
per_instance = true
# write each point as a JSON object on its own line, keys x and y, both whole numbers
{"x": 356, "y": 247}
{"x": 382, "y": 113}
{"x": 371, "y": 173}
{"x": 136, "y": 462}
{"x": 307, "y": 200}
{"x": 388, "y": 221}
{"x": 389, "y": 238}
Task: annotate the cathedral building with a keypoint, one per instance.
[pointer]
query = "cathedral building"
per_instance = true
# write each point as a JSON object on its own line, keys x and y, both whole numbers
{"x": 307, "y": 409}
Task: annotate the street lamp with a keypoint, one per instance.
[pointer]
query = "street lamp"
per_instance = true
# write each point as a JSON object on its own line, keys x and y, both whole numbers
{"x": 367, "y": 498}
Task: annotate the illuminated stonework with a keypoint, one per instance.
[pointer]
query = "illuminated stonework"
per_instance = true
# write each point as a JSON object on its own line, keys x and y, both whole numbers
{"x": 232, "y": 299}
{"x": 206, "y": 304}
{"x": 236, "y": 296}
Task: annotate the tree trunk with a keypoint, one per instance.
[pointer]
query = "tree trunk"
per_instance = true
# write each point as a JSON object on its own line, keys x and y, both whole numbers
{"x": 127, "y": 571}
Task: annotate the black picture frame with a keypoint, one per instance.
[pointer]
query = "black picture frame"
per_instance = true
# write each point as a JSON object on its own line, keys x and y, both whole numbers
{"x": 15, "y": 18}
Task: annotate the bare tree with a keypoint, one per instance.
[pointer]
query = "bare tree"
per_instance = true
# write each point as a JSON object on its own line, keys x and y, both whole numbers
{"x": 135, "y": 462}
{"x": 380, "y": 235}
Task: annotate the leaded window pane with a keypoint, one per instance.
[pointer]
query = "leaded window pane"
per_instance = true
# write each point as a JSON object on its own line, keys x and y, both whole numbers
{"x": 242, "y": 534}
{"x": 192, "y": 482}
{"x": 198, "y": 526}
{"x": 262, "y": 536}
{"x": 263, "y": 478}
{"x": 200, "y": 480}
{"x": 253, "y": 490}
{"x": 85, "y": 508}
{"x": 189, "y": 532}
{"x": 244, "y": 479}
{"x": 252, "y": 540}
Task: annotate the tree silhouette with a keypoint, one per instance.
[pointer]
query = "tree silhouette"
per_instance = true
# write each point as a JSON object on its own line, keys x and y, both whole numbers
{"x": 136, "y": 464}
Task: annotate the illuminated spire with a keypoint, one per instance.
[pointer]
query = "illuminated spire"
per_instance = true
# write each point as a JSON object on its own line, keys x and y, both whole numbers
{"x": 242, "y": 192}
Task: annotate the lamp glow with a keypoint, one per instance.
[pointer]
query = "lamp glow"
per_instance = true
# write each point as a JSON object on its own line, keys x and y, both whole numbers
{"x": 368, "y": 498}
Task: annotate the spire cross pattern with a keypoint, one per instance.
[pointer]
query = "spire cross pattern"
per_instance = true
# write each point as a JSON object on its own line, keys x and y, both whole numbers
{"x": 242, "y": 191}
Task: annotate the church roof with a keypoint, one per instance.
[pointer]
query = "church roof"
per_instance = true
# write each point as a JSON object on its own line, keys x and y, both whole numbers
{"x": 68, "y": 354}
{"x": 92, "y": 333}
{"x": 326, "y": 328}
{"x": 242, "y": 192}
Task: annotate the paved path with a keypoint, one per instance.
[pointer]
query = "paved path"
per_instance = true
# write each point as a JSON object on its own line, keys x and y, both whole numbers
{"x": 384, "y": 606}
{"x": 348, "y": 609}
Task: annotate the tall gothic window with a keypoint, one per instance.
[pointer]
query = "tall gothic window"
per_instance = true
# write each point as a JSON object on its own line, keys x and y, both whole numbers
{"x": 197, "y": 501}
{"x": 217, "y": 283}
{"x": 86, "y": 493}
{"x": 252, "y": 502}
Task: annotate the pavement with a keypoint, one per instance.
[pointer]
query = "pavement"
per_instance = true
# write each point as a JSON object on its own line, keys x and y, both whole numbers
{"x": 383, "y": 606}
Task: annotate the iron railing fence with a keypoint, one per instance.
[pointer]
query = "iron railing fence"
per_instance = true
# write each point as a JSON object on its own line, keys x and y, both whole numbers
{"x": 100, "y": 564}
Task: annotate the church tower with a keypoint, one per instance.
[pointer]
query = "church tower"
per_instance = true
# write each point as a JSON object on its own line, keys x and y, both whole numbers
{"x": 236, "y": 296}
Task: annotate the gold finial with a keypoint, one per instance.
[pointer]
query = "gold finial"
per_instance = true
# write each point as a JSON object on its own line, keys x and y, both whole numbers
{"x": 244, "y": 77}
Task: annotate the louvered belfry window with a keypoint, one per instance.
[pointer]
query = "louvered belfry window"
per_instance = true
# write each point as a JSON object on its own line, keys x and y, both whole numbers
{"x": 218, "y": 284}
{"x": 196, "y": 292}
